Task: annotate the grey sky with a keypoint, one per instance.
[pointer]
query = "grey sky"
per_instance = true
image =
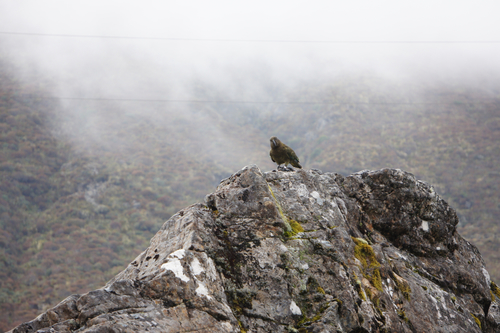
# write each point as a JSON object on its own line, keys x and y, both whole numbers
{"x": 290, "y": 20}
{"x": 257, "y": 20}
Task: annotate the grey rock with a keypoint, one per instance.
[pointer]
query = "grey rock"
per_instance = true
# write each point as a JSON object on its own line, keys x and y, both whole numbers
{"x": 303, "y": 251}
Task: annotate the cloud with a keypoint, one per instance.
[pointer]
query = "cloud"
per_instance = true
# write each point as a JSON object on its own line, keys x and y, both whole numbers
{"x": 237, "y": 51}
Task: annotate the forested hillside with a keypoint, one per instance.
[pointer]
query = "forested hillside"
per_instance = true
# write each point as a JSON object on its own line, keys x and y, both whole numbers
{"x": 86, "y": 183}
{"x": 73, "y": 214}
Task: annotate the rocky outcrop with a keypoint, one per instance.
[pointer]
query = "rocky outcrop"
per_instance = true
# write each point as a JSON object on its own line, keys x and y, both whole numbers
{"x": 303, "y": 251}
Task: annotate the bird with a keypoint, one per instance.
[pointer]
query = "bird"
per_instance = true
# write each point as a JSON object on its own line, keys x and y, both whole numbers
{"x": 280, "y": 153}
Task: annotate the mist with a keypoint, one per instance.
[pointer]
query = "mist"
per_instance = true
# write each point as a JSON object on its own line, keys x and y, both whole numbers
{"x": 165, "y": 61}
{"x": 241, "y": 49}
{"x": 174, "y": 53}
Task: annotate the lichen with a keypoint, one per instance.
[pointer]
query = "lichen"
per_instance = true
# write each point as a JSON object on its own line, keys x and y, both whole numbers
{"x": 240, "y": 299}
{"x": 370, "y": 265}
{"x": 321, "y": 290}
{"x": 376, "y": 279}
{"x": 288, "y": 228}
{"x": 376, "y": 303}
{"x": 359, "y": 289}
{"x": 403, "y": 286}
{"x": 402, "y": 315}
{"x": 495, "y": 289}
{"x": 369, "y": 293}
{"x": 295, "y": 228}
{"x": 364, "y": 253}
{"x": 304, "y": 321}
{"x": 478, "y": 322}
{"x": 242, "y": 329}
{"x": 324, "y": 307}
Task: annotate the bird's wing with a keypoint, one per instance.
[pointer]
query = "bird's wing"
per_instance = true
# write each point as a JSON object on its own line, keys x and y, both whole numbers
{"x": 272, "y": 157}
{"x": 294, "y": 160}
{"x": 292, "y": 156}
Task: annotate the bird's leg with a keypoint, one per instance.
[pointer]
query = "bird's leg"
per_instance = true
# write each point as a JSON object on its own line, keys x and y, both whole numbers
{"x": 284, "y": 168}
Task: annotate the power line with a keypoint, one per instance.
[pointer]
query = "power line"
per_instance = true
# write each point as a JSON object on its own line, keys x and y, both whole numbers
{"x": 187, "y": 101}
{"x": 254, "y": 40}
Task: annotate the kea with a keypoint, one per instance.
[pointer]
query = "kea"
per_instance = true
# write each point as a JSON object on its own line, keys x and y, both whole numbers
{"x": 281, "y": 153}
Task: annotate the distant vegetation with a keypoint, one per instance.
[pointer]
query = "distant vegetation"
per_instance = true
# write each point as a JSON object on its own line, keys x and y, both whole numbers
{"x": 83, "y": 191}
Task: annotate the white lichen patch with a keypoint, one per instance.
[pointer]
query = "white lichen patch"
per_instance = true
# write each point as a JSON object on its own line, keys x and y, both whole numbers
{"x": 174, "y": 264}
{"x": 295, "y": 309}
{"x": 437, "y": 307}
{"x": 196, "y": 267}
{"x": 336, "y": 214}
{"x": 486, "y": 275}
{"x": 202, "y": 290}
{"x": 424, "y": 226}
{"x": 211, "y": 270}
{"x": 179, "y": 254}
{"x": 388, "y": 287}
{"x": 302, "y": 190}
{"x": 316, "y": 196}
{"x": 203, "y": 264}
{"x": 402, "y": 256}
{"x": 362, "y": 240}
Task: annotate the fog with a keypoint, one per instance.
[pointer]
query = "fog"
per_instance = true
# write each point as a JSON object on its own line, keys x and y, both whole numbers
{"x": 225, "y": 42}
{"x": 247, "y": 52}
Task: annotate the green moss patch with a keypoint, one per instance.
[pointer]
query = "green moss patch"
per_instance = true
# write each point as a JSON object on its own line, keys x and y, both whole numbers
{"x": 359, "y": 288}
{"x": 296, "y": 228}
{"x": 364, "y": 253}
{"x": 370, "y": 265}
{"x": 403, "y": 286}
{"x": 494, "y": 288}
{"x": 289, "y": 232}
{"x": 478, "y": 322}
{"x": 376, "y": 279}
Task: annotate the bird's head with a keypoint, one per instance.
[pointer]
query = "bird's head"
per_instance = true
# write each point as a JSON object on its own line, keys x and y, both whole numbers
{"x": 275, "y": 142}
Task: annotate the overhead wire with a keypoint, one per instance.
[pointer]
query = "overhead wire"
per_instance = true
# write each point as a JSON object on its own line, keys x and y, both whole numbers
{"x": 190, "y": 101}
{"x": 249, "y": 41}
{"x": 256, "y": 40}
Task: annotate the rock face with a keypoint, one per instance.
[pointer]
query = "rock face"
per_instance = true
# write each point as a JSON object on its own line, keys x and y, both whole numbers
{"x": 301, "y": 251}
